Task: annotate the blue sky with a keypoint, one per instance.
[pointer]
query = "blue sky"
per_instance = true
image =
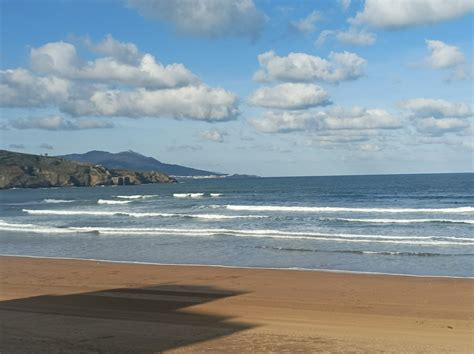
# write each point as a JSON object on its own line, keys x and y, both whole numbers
{"x": 345, "y": 87}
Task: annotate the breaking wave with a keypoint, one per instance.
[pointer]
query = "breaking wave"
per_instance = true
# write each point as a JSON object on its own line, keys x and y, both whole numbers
{"x": 137, "y": 214}
{"x": 188, "y": 195}
{"x": 137, "y": 196}
{"x": 107, "y": 201}
{"x": 258, "y": 233}
{"x": 362, "y": 252}
{"x": 404, "y": 221}
{"x": 461, "y": 210}
{"x": 57, "y": 201}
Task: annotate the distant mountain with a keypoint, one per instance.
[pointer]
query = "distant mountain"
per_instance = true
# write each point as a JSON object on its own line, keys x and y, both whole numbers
{"x": 19, "y": 170}
{"x": 131, "y": 160}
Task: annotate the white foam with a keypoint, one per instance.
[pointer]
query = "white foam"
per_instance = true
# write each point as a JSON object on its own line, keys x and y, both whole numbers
{"x": 188, "y": 195}
{"x": 215, "y": 195}
{"x": 137, "y": 214}
{"x": 462, "y": 210}
{"x": 262, "y": 233}
{"x": 137, "y": 196}
{"x": 57, "y": 201}
{"x": 181, "y": 195}
{"x": 107, "y": 201}
{"x": 405, "y": 221}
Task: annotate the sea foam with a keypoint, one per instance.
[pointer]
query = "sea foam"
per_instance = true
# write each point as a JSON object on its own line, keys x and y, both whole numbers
{"x": 57, "y": 201}
{"x": 137, "y": 214}
{"x": 137, "y": 196}
{"x": 461, "y": 210}
{"x": 404, "y": 221}
{"x": 188, "y": 195}
{"x": 258, "y": 233}
{"x": 107, "y": 201}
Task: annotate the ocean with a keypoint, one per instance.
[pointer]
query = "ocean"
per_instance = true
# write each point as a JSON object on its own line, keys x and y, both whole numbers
{"x": 396, "y": 224}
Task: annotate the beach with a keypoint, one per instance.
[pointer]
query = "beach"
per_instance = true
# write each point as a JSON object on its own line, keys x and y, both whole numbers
{"x": 90, "y": 306}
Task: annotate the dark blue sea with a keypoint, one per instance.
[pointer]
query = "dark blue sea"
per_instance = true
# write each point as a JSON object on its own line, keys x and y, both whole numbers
{"x": 400, "y": 224}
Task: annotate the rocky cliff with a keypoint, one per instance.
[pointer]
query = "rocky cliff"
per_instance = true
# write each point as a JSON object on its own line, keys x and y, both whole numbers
{"x": 33, "y": 171}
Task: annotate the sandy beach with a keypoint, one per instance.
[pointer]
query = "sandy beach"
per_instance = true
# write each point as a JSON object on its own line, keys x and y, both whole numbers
{"x": 88, "y": 306}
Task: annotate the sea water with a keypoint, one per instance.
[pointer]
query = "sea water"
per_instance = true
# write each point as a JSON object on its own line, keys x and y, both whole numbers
{"x": 399, "y": 224}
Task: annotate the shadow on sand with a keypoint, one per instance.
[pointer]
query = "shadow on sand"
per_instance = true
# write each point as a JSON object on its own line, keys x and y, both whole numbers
{"x": 148, "y": 319}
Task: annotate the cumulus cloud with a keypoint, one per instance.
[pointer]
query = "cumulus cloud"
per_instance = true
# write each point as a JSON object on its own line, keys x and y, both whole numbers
{"x": 353, "y": 36}
{"x": 290, "y": 96}
{"x": 360, "y": 118}
{"x": 20, "y": 88}
{"x": 428, "y": 107}
{"x": 124, "y": 82}
{"x": 58, "y": 123}
{"x": 337, "y": 118}
{"x": 439, "y": 126}
{"x": 124, "y": 52}
{"x": 437, "y": 117}
{"x": 445, "y": 56}
{"x": 60, "y": 59}
{"x": 302, "y": 67}
{"x": 214, "y": 135}
{"x": 190, "y": 102}
{"x": 209, "y": 18}
{"x": 283, "y": 122}
{"x": 307, "y": 24}
{"x": 397, "y": 14}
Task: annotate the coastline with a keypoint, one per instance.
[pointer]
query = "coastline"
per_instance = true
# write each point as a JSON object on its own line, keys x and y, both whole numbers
{"x": 296, "y": 269}
{"x": 87, "y": 305}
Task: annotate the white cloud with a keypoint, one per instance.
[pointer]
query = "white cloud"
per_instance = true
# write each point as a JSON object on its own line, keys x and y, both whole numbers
{"x": 427, "y": 107}
{"x": 302, "y": 67}
{"x": 353, "y": 35}
{"x": 337, "y": 118}
{"x": 20, "y": 88}
{"x": 290, "y": 96}
{"x": 307, "y": 24}
{"x": 345, "y": 4}
{"x": 356, "y": 36}
{"x": 439, "y": 126}
{"x": 214, "y": 135}
{"x": 125, "y": 83}
{"x": 61, "y": 59}
{"x": 445, "y": 56}
{"x": 210, "y": 18}
{"x": 360, "y": 118}
{"x": 17, "y": 146}
{"x": 121, "y": 51}
{"x": 58, "y": 123}
{"x": 396, "y": 14}
{"x": 283, "y": 122}
{"x": 191, "y": 102}
{"x": 437, "y": 117}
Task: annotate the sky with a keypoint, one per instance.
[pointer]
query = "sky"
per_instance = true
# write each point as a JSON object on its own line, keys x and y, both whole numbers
{"x": 266, "y": 87}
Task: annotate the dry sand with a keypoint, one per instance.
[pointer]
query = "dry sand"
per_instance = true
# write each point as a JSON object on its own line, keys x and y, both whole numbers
{"x": 50, "y": 305}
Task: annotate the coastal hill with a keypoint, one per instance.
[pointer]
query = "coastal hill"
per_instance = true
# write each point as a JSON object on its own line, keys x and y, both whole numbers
{"x": 33, "y": 171}
{"x": 134, "y": 161}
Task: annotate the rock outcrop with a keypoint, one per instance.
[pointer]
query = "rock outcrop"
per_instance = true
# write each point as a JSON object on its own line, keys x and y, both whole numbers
{"x": 33, "y": 171}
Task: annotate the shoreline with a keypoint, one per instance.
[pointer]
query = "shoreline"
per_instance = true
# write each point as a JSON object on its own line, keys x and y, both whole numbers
{"x": 321, "y": 270}
{"x": 70, "y": 305}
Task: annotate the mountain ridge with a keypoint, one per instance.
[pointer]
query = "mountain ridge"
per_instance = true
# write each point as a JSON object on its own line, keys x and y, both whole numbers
{"x": 132, "y": 160}
{"x": 20, "y": 170}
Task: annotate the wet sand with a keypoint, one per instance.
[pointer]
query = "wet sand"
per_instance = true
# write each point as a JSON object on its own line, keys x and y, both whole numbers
{"x": 87, "y": 306}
